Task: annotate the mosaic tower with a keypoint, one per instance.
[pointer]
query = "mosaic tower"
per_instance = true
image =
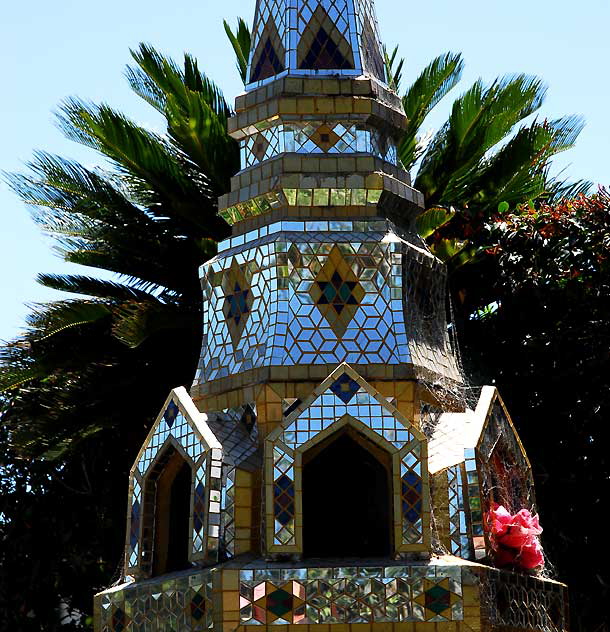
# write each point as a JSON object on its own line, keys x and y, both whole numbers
{"x": 322, "y": 471}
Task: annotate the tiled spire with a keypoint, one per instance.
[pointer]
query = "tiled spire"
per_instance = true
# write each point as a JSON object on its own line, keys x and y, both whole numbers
{"x": 323, "y": 37}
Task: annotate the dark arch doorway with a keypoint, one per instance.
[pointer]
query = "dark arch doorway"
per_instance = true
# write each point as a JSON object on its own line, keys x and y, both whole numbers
{"x": 172, "y": 515}
{"x": 346, "y": 498}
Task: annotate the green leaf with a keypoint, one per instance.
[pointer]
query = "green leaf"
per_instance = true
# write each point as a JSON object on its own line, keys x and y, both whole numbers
{"x": 432, "y": 219}
{"x": 241, "y": 41}
{"x": 435, "y": 81}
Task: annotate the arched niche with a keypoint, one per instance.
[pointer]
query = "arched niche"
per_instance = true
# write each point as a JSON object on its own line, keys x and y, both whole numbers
{"x": 168, "y": 502}
{"x": 347, "y": 497}
{"x": 159, "y": 504}
{"x": 167, "y": 512}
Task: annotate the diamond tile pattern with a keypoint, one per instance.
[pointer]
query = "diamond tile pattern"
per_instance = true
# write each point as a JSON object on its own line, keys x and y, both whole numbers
{"x": 237, "y": 300}
{"x": 323, "y": 36}
{"x": 518, "y": 601}
{"x": 183, "y": 604}
{"x": 350, "y": 595}
{"x": 268, "y": 58}
{"x": 461, "y": 545}
{"x": 336, "y": 292}
{"x": 323, "y": 44}
{"x": 290, "y": 326}
{"x": 228, "y": 511}
{"x": 283, "y": 497}
{"x": 330, "y": 407}
{"x": 316, "y": 137}
{"x": 411, "y": 494}
{"x": 173, "y": 424}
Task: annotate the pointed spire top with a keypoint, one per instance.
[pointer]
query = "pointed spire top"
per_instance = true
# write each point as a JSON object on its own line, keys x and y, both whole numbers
{"x": 315, "y": 37}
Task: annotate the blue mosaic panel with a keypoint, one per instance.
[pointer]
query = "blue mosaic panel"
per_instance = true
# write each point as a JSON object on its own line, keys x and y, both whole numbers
{"x": 461, "y": 546}
{"x": 173, "y": 424}
{"x": 330, "y": 407}
{"x": 286, "y": 325}
{"x": 351, "y": 595}
{"x": 271, "y": 15}
{"x": 283, "y": 498}
{"x": 313, "y": 137}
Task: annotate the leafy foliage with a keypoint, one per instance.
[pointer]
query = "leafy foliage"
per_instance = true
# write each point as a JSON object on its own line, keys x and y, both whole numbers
{"x": 71, "y": 411}
{"x": 546, "y": 345}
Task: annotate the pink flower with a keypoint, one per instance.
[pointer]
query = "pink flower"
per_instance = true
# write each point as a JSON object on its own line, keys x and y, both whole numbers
{"x": 500, "y": 520}
{"x": 531, "y": 556}
{"x": 514, "y": 538}
{"x": 525, "y": 519}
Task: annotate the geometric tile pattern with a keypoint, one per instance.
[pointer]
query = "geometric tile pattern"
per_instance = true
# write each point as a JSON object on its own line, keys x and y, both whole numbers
{"x": 323, "y": 44}
{"x": 505, "y": 472}
{"x": 268, "y": 49}
{"x": 183, "y": 604}
{"x": 268, "y": 59}
{"x": 316, "y": 137}
{"x": 283, "y": 498}
{"x": 289, "y": 328}
{"x": 351, "y": 595}
{"x": 173, "y": 424}
{"x": 461, "y": 545}
{"x": 214, "y": 490}
{"x": 199, "y": 506}
{"x": 327, "y": 38}
{"x": 330, "y": 407}
{"x": 336, "y": 292}
{"x": 321, "y": 197}
{"x": 238, "y": 300}
{"x": 135, "y": 522}
{"x": 370, "y": 50}
{"x": 411, "y": 496}
{"x": 344, "y": 398}
{"x": 474, "y": 504}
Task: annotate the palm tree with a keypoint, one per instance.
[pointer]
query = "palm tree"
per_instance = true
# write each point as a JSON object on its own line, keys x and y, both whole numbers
{"x": 81, "y": 386}
{"x": 151, "y": 220}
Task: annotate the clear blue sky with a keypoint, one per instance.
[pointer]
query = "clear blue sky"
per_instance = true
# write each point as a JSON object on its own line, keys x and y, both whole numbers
{"x": 52, "y": 50}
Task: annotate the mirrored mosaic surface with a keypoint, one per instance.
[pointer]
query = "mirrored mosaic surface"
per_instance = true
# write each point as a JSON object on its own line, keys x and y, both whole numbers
{"x": 174, "y": 424}
{"x": 317, "y": 298}
{"x": 183, "y": 603}
{"x": 313, "y": 137}
{"x": 350, "y": 595}
{"x": 302, "y": 36}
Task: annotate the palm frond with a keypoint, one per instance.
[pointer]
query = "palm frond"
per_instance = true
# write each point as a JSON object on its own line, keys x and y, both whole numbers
{"x": 136, "y": 321}
{"x": 90, "y": 286}
{"x": 435, "y": 81}
{"x": 394, "y": 68}
{"x": 51, "y": 318}
{"x": 480, "y": 119}
{"x": 241, "y": 40}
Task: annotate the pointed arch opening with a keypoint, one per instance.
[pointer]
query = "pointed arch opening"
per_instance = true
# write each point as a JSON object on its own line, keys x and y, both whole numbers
{"x": 323, "y": 46}
{"x": 167, "y": 513}
{"x": 347, "y": 497}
